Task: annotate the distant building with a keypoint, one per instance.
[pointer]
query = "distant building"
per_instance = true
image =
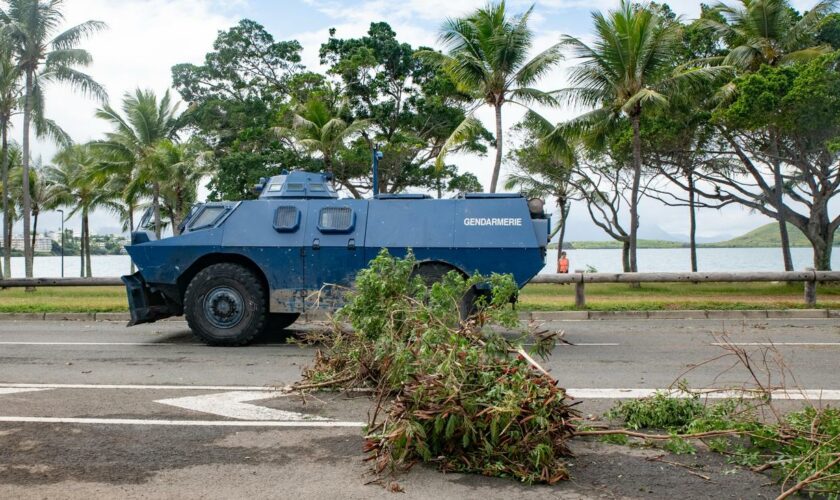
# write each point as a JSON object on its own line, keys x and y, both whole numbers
{"x": 42, "y": 245}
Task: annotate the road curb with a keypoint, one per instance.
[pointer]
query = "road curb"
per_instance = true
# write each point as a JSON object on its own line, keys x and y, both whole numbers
{"x": 523, "y": 316}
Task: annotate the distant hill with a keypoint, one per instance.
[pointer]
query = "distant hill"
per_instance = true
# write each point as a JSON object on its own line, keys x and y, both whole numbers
{"x": 766, "y": 236}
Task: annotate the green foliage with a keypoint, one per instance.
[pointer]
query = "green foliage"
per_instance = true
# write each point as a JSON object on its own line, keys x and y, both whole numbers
{"x": 458, "y": 394}
{"x": 659, "y": 411}
{"x": 798, "y": 445}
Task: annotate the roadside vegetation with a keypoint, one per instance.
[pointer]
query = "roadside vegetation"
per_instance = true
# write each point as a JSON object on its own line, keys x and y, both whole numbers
{"x": 799, "y": 446}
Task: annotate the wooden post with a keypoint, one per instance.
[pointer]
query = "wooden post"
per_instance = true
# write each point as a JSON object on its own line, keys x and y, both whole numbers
{"x": 580, "y": 294}
{"x": 811, "y": 289}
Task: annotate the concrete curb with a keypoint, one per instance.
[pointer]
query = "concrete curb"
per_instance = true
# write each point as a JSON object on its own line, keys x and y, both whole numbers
{"x": 523, "y": 316}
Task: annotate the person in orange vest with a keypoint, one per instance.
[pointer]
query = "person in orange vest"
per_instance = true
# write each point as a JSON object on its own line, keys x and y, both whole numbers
{"x": 563, "y": 264}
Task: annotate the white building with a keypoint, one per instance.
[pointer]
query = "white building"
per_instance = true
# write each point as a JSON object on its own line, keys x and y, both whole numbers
{"x": 42, "y": 245}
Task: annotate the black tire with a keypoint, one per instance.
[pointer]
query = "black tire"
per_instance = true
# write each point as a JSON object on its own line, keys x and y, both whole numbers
{"x": 431, "y": 272}
{"x": 225, "y": 305}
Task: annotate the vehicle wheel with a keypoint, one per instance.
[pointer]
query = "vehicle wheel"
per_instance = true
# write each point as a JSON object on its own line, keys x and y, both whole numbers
{"x": 431, "y": 272}
{"x": 225, "y": 305}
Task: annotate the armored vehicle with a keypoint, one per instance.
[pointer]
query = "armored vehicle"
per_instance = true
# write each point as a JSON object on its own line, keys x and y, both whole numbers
{"x": 239, "y": 268}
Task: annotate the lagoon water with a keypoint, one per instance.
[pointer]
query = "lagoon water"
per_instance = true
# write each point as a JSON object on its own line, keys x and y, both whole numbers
{"x": 605, "y": 260}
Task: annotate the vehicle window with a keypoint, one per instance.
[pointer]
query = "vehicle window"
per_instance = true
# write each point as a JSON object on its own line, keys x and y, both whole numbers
{"x": 318, "y": 188}
{"x": 207, "y": 217}
{"x": 286, "y": 219}
{"x": 336, "y": 219}
{"x": 294, "y": 186}
{"x": 274, "y": 188}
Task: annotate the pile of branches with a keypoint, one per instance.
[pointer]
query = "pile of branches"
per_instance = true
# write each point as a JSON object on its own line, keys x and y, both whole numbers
{"x": 449, "y": 391}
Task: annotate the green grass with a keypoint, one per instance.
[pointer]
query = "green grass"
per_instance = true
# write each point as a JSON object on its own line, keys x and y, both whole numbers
{"x": 64, "y": 299}
{"x": 674, "y": 296}
{"x": 599, "y": 297}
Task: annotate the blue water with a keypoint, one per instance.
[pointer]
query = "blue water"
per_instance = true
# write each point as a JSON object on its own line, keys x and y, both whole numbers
{"x": 670, "y": 259}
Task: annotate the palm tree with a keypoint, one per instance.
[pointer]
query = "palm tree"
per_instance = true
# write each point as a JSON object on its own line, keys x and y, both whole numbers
{"x": 185, "y": 165}
{"x": 487, "y": 58}
{"x": 73, "y": 180}
{"x": 628, "y": 68}
{"x": 769, "y": 32}
{"x": 44, "y": 56}
{"x": 42, "y": 194}
{"x": 10, "y": 95}
{"x": 542, "y": 171}
{"x": 318, "y": 128}
{"x": 145, "y": 121}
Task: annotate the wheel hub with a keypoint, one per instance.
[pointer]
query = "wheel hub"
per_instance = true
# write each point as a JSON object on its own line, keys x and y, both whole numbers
{"x": 224, "y": 307}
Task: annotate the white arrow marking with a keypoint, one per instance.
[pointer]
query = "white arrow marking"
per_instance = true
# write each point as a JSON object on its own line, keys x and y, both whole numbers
{"x": 16, "y": 390}
{"x": 232, "y": 405}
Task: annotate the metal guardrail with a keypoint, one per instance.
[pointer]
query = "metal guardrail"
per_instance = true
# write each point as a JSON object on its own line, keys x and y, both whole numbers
{"x": 579, "y": 278}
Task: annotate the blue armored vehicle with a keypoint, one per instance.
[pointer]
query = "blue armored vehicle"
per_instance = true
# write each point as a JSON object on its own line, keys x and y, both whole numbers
{"x": 240, "y": 268}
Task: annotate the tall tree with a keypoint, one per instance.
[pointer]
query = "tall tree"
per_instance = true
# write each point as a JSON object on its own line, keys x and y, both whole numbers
{"x": 487, "y": 57}
{"x": 627, "y": 69}
{"x": 145, "y": 122}
{"x": 802, "y": 103}
{"x": 184, "y": 165}
{"x": 541, "y": 172}
{"x": 73, "y": 180}
{"x": 770, "y": 32}
{"x": 10, "y": 95}
{"x": 44, "y": 55}
{"x": 411, "y": 105}
{"x": 234, "y": 99}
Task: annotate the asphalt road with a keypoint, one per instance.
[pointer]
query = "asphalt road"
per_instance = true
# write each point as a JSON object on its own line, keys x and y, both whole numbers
{"x": 92, "y": 410}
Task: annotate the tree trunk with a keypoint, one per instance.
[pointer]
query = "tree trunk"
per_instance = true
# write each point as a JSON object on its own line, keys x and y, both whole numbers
{"x": 82, "y": 246}
{"x": 634, "y": 193}
{"x": 27, "y": 202}
{"x": 625, "y": 256}
{"x": 34, "y": 233}
{"x": 564, "y": 213}
{"x": 692, "y": 217}
{"x": 88, "y": 272}
{"x": 156, "y": 207}
{"x": 779, "y": 202}
{"x": 7, "y": 233}
{"x": 131, "y": 229}
{"x": 497, "y": 166}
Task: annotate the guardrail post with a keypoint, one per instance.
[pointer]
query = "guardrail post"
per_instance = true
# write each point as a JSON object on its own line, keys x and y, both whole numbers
{"x": 580, "y": 295}
{"x": 811, "y": 288}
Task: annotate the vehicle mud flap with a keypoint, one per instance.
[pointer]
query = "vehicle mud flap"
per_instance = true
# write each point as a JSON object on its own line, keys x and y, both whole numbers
{"x": 144, "y": 305}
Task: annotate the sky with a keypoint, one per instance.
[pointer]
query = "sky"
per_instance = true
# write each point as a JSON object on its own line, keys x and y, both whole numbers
{"x": 145, "y": 38}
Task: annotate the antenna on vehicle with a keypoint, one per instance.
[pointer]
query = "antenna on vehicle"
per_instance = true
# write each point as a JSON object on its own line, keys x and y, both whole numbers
{"x": 377, "y": 155}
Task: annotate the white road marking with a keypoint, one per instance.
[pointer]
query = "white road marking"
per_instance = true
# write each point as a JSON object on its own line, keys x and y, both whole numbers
{"x": 769, "y": 344}
{"x": 267, "y": 389}
{"x": 808, "y": 394}
{"x": 133, "y": 344}
{"x": 182, "y": 423}
{"x": 233, "y": 405}
{"x": 16, "y": 390}
{"x": 581, "y": 344}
